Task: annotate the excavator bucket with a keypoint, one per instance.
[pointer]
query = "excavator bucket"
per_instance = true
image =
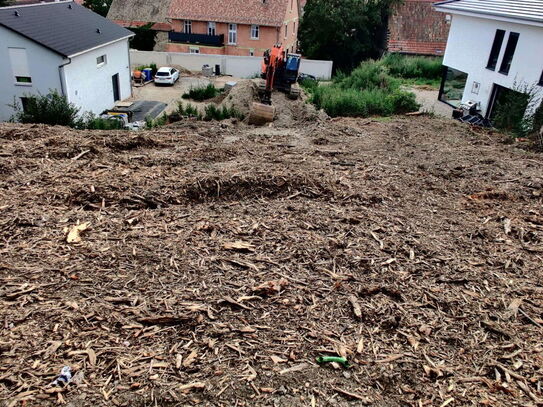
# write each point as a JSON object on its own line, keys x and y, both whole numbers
{"x": 261, "y": 114}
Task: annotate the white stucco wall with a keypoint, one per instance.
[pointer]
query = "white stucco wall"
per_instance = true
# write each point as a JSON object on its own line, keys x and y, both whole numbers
{"x": 238, "y": 66}
{"x": 468, "y": 50}
{"x": 90, "y": 87}
{"x": 43, "y": 66}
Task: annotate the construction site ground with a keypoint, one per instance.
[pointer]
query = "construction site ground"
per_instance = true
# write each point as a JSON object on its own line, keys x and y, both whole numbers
{"x": 212, "y": 263}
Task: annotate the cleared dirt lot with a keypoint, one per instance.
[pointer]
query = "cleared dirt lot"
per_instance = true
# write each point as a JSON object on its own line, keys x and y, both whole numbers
{"x": 222, "y": 259}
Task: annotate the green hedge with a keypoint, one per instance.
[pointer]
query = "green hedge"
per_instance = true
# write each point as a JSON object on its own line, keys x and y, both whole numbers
{"x": 368, "y": 91}
{"x": 201, "y": 93}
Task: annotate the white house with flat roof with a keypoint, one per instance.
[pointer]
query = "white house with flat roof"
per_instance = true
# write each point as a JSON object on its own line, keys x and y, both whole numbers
{"x": 493, "y": 46}
{"x": 65, "y": 47}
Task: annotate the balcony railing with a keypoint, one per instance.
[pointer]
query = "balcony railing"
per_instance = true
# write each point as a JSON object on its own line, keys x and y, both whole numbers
{"x": 201, "y": 39}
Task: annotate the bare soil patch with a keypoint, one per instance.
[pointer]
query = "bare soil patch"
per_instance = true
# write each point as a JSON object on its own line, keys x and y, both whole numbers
{"x": 220, "y": 260}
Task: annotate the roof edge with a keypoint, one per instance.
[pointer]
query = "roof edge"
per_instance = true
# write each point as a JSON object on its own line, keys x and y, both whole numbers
{"x": 442, "y": 7}
{"x": 37, "y": 4}
{"x": 101, "y": 45}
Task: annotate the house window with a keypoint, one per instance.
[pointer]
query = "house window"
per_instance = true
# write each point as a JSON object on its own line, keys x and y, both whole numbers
{"x": 194, "y": 50}
{"x": 509, "y": 53}
{"x": 286, "y": 30}
{"x": 187, "y": 27}
{"x": 232, "y": 34}
{"x": 294, "y": 28}
{"x": 255, "y": 32}
{"x": 19, "y": 66}
{"x": 251, "y": 52}
{"x": 23, "y": 79}
{"x": 101, "y": 61}
{"x": 452, "y": 86}
{"x": 211, "y": 28}
{"x": 495, "y": 51}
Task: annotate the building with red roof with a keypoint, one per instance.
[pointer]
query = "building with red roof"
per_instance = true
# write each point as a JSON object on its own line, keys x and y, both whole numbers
{"x": 415, "y": 27}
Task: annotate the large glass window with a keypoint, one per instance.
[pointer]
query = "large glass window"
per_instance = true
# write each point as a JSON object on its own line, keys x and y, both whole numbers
{"x": 495, "y": 51}
{"x": 452, "y": 86}
{"x": 509, "y": 53}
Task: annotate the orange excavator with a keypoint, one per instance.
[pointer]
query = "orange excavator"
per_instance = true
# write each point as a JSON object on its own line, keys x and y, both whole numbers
{"x": 280, "y": 72}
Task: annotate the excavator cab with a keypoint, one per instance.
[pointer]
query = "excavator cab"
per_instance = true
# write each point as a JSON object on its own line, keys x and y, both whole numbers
{"x": 292, "y": 68}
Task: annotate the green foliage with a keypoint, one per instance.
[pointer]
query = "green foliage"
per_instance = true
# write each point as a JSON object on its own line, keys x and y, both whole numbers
{"x": 98, "y": 123}
{"x": 309, "y": 85}
{"x": 98, "y": 6}
{"x": 53, "y": 109}
{"x": 187, "y": 111}
{"x": 510, "y": 112}
{"x": 201, "y": 93}
{"x": 5, "y": 3}
{"x": 151, "y": 123}
{"x": 367, "y": 91}
{"x": 369, "y": 75}
{"x": 213, "y": 112}
{"x": 145, "y": 38}
{"x": 345, "y": 31}
{"x": 413, "y": 67}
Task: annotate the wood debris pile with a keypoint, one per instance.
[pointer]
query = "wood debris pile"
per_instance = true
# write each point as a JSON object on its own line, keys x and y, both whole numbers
{"x": 211, "y": 264}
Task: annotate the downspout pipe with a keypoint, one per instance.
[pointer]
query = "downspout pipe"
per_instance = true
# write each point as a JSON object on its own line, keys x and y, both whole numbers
{"x": 62, "y": 76}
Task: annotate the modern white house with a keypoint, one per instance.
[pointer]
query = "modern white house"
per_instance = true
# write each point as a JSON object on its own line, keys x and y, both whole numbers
{"x": 65, "y": 47}
{"x": 494, "y": 47}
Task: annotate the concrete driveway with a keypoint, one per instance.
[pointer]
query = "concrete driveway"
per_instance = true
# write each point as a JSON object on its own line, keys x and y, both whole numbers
{"x": 167, "y": 94}
{"x": 428, "y": 98}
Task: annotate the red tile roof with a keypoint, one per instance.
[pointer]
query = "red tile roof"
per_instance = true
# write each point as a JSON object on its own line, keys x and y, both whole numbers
{"x": 270, "y": 12}
{"x": 136, "y": 24}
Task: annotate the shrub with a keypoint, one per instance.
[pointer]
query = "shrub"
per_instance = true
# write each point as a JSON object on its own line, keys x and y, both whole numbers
{"x": 53, "y": 109}
{"x": 151, "y": 123}
{"x": 309, "y": 85}
{"x": 369, "y": 75}
{"x": 512, "y": 111}
{"x": 367, "y": 91}
{"x": 188, "y": 111}
{"x": 98, "y": 123}
{"x": 213, "y": 112}
{"x": 404, "y": 102}
{"x": 201, "y": 93}
{"x": 416, "y": 67}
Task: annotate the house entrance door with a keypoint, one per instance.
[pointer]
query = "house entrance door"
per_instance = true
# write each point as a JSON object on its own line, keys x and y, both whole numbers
{"x": 116, "y": 89}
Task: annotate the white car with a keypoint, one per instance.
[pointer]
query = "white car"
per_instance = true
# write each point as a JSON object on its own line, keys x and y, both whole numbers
{"x": 166, "y": 76}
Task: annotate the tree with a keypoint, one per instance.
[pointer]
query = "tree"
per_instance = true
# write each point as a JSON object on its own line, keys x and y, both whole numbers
{"x": 5, "y": 3}
{"x": 98, "y": 6}
{"x": 345, "y": 31}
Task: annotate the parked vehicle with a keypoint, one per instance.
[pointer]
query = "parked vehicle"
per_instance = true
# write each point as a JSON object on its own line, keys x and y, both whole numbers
{"x": 166, "y": 76}
{"x": 303, "y": 76}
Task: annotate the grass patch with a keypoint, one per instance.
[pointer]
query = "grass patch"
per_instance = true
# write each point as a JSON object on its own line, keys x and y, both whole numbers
{"x": 430, "y": 83}
{"x": 413, "y": 67}
{"x": 201, "y": 93}
{"x": 368, "y": 90}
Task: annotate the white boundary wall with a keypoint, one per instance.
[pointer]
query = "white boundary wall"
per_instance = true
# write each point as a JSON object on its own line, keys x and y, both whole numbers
{"x": 238, "y": 66}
